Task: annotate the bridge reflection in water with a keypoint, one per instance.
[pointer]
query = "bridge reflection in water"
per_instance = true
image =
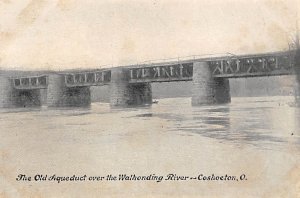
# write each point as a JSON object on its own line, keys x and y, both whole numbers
{"x": 131, "y": 85}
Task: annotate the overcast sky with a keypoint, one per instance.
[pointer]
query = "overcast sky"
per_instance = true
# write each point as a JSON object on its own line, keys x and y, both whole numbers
{"x": 59, "y": 34}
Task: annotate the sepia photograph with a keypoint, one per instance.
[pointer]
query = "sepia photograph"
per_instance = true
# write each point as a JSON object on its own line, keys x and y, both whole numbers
{"x": 150, "y": 98}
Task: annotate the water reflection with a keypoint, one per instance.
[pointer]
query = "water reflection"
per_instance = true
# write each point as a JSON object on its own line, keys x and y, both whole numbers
{"x": 266, "y": 123}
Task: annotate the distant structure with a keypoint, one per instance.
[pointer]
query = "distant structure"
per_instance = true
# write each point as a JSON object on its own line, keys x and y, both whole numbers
{"x": 131, "y": 85}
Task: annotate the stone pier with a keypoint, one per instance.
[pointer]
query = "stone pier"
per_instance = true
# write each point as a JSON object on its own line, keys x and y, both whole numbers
{"x": 7, "y": 98}
{"x": 27, "y": 98}
{"x": 11, "y": 97}
{"x": 59, "y": 95}
{"x": 125, "y": 94}
{"x": 208, "y": 90}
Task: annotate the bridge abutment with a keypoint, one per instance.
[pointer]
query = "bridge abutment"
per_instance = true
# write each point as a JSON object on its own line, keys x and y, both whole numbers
{"x": 208, "y": 90}
{"x": 7, "y": 92}
{"x": 125, "y": 94}
{"x": 59, "y": 95}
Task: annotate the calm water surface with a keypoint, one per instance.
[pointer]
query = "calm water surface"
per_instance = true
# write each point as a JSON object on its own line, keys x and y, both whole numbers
{"x": 258, "y": 136}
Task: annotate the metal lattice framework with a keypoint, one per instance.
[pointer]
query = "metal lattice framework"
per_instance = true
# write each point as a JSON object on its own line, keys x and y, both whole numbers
{"x": 96, "y": 78}
{"x": 277, "y": 63}
{"x": 226, "y": 66}
{"x": 254, "y": 65}
{"x": 32, "y": 82}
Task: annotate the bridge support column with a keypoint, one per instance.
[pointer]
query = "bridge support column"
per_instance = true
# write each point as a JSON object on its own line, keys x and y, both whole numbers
{"x": 27, "y": 98}
{"x": 11, "y": 97}
{"x": 124, "y": 94}
{"x": 59, "y": 95}
{"x": 7, "y": 93}
{"x": 206, "y": 89}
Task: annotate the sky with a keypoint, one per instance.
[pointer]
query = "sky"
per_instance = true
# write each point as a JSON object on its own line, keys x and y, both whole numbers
{"x": 67, "y": 34}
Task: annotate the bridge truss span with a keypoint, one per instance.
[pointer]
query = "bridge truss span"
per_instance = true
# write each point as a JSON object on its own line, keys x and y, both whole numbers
{"x": 86, "y": 79}
{"x": 32, "y": 82}
{"x": 253, "y": 65}
{"x": 270, "y": 64}
{"x": 162, "y": 73}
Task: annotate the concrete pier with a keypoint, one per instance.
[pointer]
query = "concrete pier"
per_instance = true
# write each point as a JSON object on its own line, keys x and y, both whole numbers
{"x": 141, "y": 93}
{"x": 59, "y": 95}
{"x": 208, "y": 90}
{"x": 7, "y": 98}
{"x": 124, "y": 94}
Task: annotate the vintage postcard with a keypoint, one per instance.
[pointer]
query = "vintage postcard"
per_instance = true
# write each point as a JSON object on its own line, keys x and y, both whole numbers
{"x": 149, "y": 98}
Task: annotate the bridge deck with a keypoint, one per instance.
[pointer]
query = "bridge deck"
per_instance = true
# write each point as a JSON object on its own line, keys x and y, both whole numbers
{"x": 268, "y": 64}
{"x": 228, "y": 66}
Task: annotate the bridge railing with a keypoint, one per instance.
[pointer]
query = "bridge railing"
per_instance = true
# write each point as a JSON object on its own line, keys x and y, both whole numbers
{"x": 205, "y": 57}
{"x": 169, "y": 61}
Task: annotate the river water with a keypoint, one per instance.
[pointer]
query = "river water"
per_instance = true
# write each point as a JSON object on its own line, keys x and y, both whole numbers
{"x": 258, "y": 137}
